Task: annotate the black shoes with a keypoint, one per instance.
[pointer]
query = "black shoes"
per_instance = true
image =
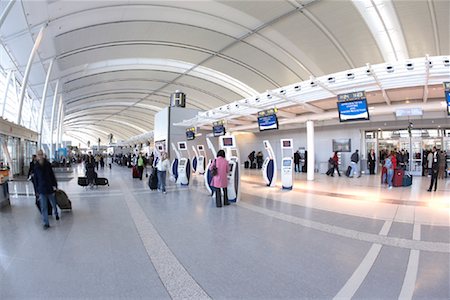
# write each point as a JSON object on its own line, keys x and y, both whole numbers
{"x": 429, "y": 190}
{"x": 57, "y": 218}
{"x": 46, "y": 226}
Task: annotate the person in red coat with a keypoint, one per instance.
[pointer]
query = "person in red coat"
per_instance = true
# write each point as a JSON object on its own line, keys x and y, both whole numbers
{"x": 393, "y": 160}
{"x": 220, "y": 179}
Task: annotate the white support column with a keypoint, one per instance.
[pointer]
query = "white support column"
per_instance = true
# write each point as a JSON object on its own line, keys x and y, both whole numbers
{"x": 43, "y": 100}
{"x": 5, "y": 96}
{"x": 52, "y": 121}
{"x": 58, "y": 122}
{"x": 27, "y": 73}
{"x": 6, "y": 11}
{"x": 310, "y": 148}
{"x": 61, "y": 123}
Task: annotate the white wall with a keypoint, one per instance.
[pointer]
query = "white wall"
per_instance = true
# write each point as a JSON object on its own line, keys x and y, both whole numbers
{"x": 323, "y": 137}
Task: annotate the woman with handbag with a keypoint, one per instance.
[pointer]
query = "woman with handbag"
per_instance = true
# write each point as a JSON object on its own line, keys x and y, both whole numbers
{"x": 219, "y": 171}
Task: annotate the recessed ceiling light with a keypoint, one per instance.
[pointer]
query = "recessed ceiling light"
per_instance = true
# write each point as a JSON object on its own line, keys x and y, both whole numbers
{"x": 407, "y": 101}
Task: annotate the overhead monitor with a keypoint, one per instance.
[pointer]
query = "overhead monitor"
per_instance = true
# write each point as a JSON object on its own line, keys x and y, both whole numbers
{"x": 190, "y": 135}
{"x": 353, "y": 107}
{"x": 269, "y": 122}
{"x": 447, "y": 96}
{"x": 219, "y": 130}
{"x": 182, "y": 146}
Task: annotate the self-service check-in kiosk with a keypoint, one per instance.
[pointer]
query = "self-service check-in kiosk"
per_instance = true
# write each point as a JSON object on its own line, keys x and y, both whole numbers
{"x": 269, "y": 167}
{"x": 208, "y": 176}
{"x": 174, "y": 165}
{"x": 201, "y": 159}
{"x": 287, "y": 163}
{"x": 228, "y": 143}
{"x": 194, "y": 160}
{"x": 184, "y": 167}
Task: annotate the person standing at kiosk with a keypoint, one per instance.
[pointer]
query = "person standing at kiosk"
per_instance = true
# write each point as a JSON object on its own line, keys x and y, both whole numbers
{"x": 219, "y": 169}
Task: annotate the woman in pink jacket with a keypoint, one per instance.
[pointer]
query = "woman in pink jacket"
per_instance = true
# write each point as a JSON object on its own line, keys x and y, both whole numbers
{"x": 220, "y": 180}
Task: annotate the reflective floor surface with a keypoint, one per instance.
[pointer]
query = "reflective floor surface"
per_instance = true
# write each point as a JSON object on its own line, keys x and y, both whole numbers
{"x": 332, "y": 238}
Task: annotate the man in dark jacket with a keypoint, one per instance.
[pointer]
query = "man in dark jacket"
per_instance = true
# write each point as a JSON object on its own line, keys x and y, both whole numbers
{"x": 297, "y": 161}
{"x": 46, "y": 185}
{"x": 434, "y": 170}
{"x": 355, "y": 164}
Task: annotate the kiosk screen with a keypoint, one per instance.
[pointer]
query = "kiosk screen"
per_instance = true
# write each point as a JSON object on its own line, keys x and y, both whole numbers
{"x": 286, "y": 144}
{"x": 286, "y": 163}
{"x": 228, "y": 142}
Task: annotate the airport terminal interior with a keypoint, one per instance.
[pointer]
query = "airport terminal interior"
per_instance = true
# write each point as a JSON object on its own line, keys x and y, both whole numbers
{"x": 248, "y": 149}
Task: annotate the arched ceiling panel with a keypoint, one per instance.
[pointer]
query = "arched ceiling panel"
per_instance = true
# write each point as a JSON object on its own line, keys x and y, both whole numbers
{"x": 419, "y": 35}
{"x": 442, "y": 11}
{"x": 312, "y": 42}
{"x": 134, "y": 31}
{"x": 346, "y": 25}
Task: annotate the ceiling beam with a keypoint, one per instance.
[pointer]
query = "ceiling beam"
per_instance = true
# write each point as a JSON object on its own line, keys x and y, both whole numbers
{"x": 427, "y": 79}
{"x": 377, "y": 81}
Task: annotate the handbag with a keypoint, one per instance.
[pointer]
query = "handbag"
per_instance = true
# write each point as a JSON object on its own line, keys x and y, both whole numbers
{"x": 214, "y": 169}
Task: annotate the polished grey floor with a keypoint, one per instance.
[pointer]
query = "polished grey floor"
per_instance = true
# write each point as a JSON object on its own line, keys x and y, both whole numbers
{"x": 127, "y": 242}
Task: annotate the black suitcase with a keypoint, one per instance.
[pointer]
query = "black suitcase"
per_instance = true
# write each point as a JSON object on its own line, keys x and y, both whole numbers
{"x": 153, "y": 181}
{"x": 62, "y": 200}
{"x": 330, "y": 171}
{"x": 246, "y": 164}
{"x": 407, "y": 180}
{"x": 349, "y": 170}
{"x": 101, "y": 181}
{"x": 253, "y": 166}
{"x": 83, "y": 181}
{"x": 49, "y": 206}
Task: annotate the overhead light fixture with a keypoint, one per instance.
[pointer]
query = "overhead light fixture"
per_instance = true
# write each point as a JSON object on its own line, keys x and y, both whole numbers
{"x": 350, "y": 75}
{"x": 389, "y": 68}
{"x": 409, "y": 66}
{"x": 331, "y": 80}
{"x": 297, "y": 88}
{"x": 446, "y": 62}
{"x": 282, "y": 92}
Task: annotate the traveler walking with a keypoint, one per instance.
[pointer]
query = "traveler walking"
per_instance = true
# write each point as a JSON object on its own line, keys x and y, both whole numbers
{"x": 140, "y": 165}
{"x": 389, "y": 170}
{"x": 355, "y": 164}
{"x": 219, "y": 169}
{"x": 46, "y": 185}
{"x": 434, "y": 169}
{"x": 162, "y": 166}
{"x": 335, "y": 164}
{"x": 109, "y": 161}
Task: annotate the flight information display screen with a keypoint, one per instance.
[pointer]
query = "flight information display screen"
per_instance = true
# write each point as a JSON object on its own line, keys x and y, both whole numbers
{"x": 353, "y": 107}
{"x": 190, "y": 135}
{"x": 447, "y": 95}
{"x": 218, "y": 130}
{"x": 269, "y": 122}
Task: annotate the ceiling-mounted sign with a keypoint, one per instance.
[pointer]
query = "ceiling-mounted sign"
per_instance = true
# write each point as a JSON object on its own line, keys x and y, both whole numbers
{"x": 408, "y": 112}
{"x": 190, "y": 133}
{"x": 353, "y": 107}
{"x": 219, "y": 128}
{"x": 267, "y": 119}
{"x": 447, "y": 96}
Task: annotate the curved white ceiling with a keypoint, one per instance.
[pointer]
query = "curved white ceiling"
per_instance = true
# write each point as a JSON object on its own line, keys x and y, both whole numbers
{"x": 118, "y": 61}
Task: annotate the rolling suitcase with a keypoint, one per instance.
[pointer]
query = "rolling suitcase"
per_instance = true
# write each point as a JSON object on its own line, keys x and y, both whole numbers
{"x": 101, "y": 181}
{"x": 253, "y": 166}
{"x": 153, "y": 181}
{"x": 349, "y": 170}
{"x": 135, "y": 172}
{"x": 246, "y": 164}
{"x": 62, "y": 200}
{"x": 83, "y": 181}
{"x": 398, "y": 177}
{"x": 49, "y": 206}
{"x": 407, "y": 180}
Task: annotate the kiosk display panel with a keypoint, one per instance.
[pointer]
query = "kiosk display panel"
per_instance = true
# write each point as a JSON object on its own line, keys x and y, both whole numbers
{"x": 286, "y": 163}
{"x": 228, "y": 142}
{"x": 182, "y": 146}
